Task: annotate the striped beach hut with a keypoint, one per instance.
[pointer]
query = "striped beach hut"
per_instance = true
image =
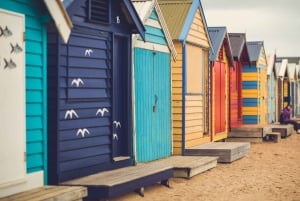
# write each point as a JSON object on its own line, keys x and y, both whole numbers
{"x": 23, "y": 91}
{"x": 241, "y": 58}
{"x": 152, "y": 78}
{"x": 90, "y": 90}
{"x": 187, "y": 26}
{"x": 271, "y": 88}
{"x": 254, "y": 82}
{"x": 221, "y": 61}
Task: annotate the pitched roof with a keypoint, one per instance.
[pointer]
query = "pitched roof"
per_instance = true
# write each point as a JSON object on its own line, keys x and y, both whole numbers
{"x": 282, "y": 68}
{"x": 218, "y": 37}
{"x": 290, "y": 59}
{"x": 144, "y": 9}
{"x": 237, "y": 42}
{"x": 179, "y": 15}
{"x": 254, "y": 48}
{"x": 129, "y": 11}
{"x": 175, "y": 13}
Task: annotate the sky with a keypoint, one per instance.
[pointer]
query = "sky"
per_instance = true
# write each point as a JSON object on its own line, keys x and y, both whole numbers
{"x": 276, "y": 22}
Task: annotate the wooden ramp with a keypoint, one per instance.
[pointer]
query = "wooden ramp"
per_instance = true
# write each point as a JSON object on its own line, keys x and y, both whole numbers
{"x": 226, "y": 151}
{"x": 117, "y": 182}
{"x": 188, "y": 166}
{"x": 50, "y": 193}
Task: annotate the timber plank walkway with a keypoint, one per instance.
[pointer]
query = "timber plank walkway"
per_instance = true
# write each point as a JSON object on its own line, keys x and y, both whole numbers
{"x": 50, "y": 193}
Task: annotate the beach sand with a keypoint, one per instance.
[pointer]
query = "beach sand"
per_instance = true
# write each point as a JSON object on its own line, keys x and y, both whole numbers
{"x": 270, "y": 172}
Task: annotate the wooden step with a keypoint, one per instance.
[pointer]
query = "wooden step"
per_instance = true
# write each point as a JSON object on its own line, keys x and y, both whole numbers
{"x": 188, "y": 166}
{"x": 50, "y": 193}
{"x": 273, "y": 136}
{"x": 226, "y": 151}
{"x": 246, "y": 132}
{"x": 284, "y": 129}
{"x": 108, "y": 184}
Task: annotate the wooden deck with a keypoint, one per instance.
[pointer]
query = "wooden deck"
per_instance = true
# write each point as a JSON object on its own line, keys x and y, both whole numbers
{"x": 188, "y": 166}
{"x": 257, "y": 133}
{"x": 50, "y": 193}
{"x": 113, "y": 183}
{"x": 226, "y": 151}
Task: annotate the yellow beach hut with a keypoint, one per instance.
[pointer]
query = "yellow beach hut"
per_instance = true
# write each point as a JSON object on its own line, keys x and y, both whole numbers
{"x": 190, "y": 115}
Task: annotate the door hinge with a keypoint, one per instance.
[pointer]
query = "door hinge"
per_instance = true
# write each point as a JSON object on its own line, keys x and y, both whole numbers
{"x": 25, "y": 156}
{"x": 24, "y": 36}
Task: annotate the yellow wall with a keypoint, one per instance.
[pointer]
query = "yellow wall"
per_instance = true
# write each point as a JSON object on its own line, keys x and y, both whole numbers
{"x": 263, "y": 95}
{"x": 197, "y": 33}
{"x": 177, "y": 99}
{"x": 196, "y": 99}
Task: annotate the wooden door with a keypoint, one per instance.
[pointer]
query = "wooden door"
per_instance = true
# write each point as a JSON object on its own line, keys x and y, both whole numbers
{"x": 220, "y": 104}
{"x": 153, "y": 104}
{"x": 12, "y": 98}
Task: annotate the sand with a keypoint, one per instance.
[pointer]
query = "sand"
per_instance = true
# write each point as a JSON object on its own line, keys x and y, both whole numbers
{"x": 270, "y": 172}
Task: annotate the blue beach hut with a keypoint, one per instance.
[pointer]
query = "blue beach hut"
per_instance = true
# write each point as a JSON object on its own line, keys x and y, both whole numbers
{"x": 90, "y": 90}
{"x": 152, "y": 75}
{"x": 23, "y": 90}
{"x": 254, "y": 79}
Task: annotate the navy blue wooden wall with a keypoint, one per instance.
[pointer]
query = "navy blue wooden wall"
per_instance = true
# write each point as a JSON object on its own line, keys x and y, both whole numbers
{"x": 89, "y": 96}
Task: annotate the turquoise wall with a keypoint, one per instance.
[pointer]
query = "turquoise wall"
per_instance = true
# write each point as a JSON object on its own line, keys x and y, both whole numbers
{"x": 35, "y": 58}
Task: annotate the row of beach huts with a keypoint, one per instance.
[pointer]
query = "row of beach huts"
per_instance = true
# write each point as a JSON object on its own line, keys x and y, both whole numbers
{"x": 88, "y": 86}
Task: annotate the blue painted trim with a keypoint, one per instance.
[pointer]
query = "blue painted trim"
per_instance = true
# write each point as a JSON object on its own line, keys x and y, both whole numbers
{"x": 189, "y": 20}
{"x": 183, "y": 95}
{"x": 45, "y": 103}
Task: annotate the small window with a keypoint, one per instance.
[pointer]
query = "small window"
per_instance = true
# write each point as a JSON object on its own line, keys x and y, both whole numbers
{"x": 99, "y": 11}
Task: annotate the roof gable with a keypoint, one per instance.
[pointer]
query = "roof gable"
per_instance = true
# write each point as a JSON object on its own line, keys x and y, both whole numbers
{"x": 179, "y": 16}
{"x": 282, "y": 68}
{"x": 238, "y": 46}
{"x": 254, "y": 49}
{"x": 175, "y": 13}
{"x": 150, "y": 9}
{"x": 218, "y": 37}
{"x": 127, "y": 9}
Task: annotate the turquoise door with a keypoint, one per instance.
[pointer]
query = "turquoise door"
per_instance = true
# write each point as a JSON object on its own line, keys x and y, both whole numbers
{"x": 152, "y": 104}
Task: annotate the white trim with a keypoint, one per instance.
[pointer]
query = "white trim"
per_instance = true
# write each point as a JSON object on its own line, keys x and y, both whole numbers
{"x": 151, "y": 46}
{"x": 153, "y": 23}
{"x": 60, "y": 17}
{"x": 31, "y": 181}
